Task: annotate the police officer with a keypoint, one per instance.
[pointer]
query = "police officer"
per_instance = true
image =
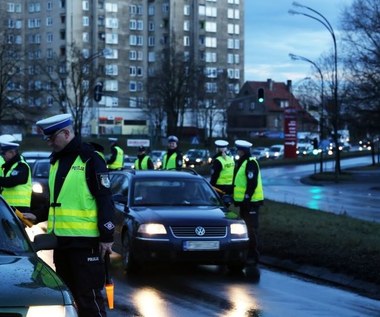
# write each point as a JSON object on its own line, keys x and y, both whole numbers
{"x": 222, "y": 170}
{"x": 143, "y": 161}
{"x": 248, "y": 194}
{"x": 5, "y": 138}
{"x": 173, "y": 159}
{"x": 116, "y": 161}
{"x": 80, "y": 215}
{"x": 16, "y": 180}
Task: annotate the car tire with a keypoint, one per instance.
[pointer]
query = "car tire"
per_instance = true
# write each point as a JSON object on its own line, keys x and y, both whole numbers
{"x": 129, "y": 263}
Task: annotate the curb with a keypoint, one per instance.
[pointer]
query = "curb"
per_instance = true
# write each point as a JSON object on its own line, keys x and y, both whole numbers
{"x": 363, "y": 288}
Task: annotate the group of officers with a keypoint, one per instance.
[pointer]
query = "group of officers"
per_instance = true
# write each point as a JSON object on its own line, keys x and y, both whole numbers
{"x": 81, "y": 212}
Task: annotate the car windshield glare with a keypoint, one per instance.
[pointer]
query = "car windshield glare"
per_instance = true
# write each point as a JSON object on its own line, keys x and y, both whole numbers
{"x": 12, "y": 239}
{"x": 158, "y": 192}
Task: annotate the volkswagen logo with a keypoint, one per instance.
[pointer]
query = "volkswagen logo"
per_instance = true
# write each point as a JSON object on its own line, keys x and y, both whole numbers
{"x": 200, "y": 231}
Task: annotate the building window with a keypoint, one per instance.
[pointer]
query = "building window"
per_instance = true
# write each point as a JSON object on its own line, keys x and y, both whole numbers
{"x": 49, "y": 21}
{"x": 186, "y": 9}
{"x": 211, "y": 12}
{"x": 132, "y": 55}
{"x": 112, "y": 38}
{"x": 49, "y": 37}
{"x": 132, "y": 86}
{"x": 85, "y": 21}
{"x": 85, "y": 37}
{"x": 151, "y": 9}
{"x": 210, "y": 42}
{"x": 186, "y": 41}
{"x": 151, "y": 41}
{"x": 210, "y": 27}
{"x": 132, "y": 71}
{"x": 186, "y": 25}
{"x": 85, "y": 5}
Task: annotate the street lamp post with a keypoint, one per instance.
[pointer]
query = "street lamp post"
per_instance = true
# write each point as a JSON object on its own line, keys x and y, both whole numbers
{"x": 321, "y": 127}
{"x": 321, "y": 19}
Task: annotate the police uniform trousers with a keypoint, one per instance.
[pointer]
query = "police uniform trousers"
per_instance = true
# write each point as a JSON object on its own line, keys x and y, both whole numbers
{"x": 84, "y": 274}
{"x": 249, "y": 212}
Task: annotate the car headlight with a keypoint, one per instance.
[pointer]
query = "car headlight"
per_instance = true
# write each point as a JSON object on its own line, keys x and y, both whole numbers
{"x": 238, "y": 228}
{"x": 152, "y": 228}
{"x": 37, "y": 188}
{"x": 198, "y": 160}
{"x": 56, "y": 311}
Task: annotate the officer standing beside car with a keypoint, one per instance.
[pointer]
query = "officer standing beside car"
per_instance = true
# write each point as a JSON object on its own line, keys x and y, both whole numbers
{"x": 248, "y": 194}
{"x": 143, "y": 161}
{"x": 222, "y": 170}
{"x": 16, "y": 180}
{"x": 80, "y": 215}
{"x": 173, "y": 158}
{"x": 116, "y": 161}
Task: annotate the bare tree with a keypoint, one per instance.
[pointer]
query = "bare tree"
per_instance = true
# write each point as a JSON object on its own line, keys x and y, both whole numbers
{"x": 71, "y": 81}
{"x": 361, "y": 23}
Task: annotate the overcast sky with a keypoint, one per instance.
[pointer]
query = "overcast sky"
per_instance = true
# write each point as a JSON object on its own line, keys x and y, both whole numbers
{"x": 271, "y": 33}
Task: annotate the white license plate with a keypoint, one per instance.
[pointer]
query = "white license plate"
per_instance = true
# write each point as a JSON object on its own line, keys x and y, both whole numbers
{"x": 200, "y": 245}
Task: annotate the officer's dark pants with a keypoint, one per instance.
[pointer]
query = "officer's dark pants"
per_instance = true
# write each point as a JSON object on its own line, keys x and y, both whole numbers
{"x": 83, "y": 273}
{"x": 249, "y": 212}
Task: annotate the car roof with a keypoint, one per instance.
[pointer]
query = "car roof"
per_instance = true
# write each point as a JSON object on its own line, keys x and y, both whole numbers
{"x": 184, "y": 173}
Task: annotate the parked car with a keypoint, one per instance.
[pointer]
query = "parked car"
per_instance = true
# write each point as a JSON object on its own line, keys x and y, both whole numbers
{"x": 40, "y": 187}
{"x": 365, "y": 145}
{"x": 174, "y": 217}
{"x": 260, "y": 153}
{"x": 129, "y": 162}
{"x": 304, "y": 149}
{"x": 197, "y": 157}
{"x": 276, "y": 151}
{"x": 157, "y": 157}
{"x": 28, "y": 286}
{"x": 31, "y": 156}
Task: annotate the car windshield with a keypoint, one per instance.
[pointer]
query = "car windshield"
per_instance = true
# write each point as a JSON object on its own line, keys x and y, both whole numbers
{"x": 41, "y": 169}
{"x": 173, "y": 192}
{"x": 12, "y": 239}
{"x": 195, "y": 153}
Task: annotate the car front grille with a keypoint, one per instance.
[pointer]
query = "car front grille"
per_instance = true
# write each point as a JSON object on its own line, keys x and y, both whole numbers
{"x": 191, "y": 232}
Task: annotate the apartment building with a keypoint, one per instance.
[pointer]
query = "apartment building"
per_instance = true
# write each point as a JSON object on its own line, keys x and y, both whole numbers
{"x": 125, "y": 38}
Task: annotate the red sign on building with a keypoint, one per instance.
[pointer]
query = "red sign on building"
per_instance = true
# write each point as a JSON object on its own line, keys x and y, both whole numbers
{"x": 290, "y": 133}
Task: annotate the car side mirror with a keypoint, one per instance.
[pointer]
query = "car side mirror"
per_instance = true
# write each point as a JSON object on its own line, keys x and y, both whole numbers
{"x": 44, "y": 241}
{"x": 227, "y": 200}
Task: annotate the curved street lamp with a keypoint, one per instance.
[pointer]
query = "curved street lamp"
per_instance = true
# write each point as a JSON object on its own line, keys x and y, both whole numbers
{"x": 301, "y": 58}
{"x": 322, "y": 19}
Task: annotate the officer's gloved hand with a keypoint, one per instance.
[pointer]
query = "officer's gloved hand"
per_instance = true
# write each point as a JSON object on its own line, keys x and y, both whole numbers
{"x": 105, "y": 247}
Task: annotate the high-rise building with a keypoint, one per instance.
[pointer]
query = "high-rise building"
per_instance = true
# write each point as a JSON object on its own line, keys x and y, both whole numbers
{"x": 125, "y": 38}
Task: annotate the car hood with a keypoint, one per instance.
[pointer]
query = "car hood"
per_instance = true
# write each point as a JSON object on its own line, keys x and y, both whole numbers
{"x": 182, "y": 214}
{"x": 27, "y": 281}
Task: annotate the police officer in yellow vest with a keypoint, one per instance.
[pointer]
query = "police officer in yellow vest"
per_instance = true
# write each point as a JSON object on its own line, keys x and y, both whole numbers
{"x": 80, "y": 215}
{"x": 222, "y": 170}
{"x": 16, "y": 180}
{"x": 248, "y": 194}
{"x": 116, "y": 161}
{"x": 173, "y": 159}
{"x": 143, "y": 161}
{"x": 5, "y": 138}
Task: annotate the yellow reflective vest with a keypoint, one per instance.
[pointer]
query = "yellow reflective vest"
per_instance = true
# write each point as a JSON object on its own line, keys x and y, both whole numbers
{"x": 241, "y": 184}
{"x": 75, "y": 212}
{"x": 171, "y": 163}
{"x": 20, "y": 195}
{"x": 119, "y": 162}
{"x": 227, "y": 173}
{"x": 144, "y": 163}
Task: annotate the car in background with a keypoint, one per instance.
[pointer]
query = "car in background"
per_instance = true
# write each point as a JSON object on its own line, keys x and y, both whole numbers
{"x": 365, "y": 145}
{"x": 129, "y": 162}
{"x": 276, "y": 151}
{"x": 304, "y": 149}
{"x": 197, "y": 157}
{"x": 174, "y": 217}
{"x": 157, "y": 157}
{"x": 40, "y": 187}
{"x": 28, "y": 286}
{"x": 31, "y": 156}
{"x": 260, "y": 153}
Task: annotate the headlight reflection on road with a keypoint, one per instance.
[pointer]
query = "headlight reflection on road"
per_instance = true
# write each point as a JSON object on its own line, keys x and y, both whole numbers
{"x": 149, "y": 303}
{"x": 243, "y": 303}
{"x": 316, "y": 196}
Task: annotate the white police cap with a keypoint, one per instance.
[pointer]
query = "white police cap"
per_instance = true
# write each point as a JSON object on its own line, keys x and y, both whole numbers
{"x": 221, "y": 143}
{"x": 6, "y": 146}
{"x": 7, "y": 138}
{"x": 52, "y": 124}
{"x": 242, "y": 144}
{"x": 172, "y": 138}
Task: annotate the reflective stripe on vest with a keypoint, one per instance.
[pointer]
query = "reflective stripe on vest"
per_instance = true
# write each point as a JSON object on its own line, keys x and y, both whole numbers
{"x": 75, "y": 212}
{"x": 144, "y": 163}
{"x": 227, "y": 173}
{"x": 241, "y": 184}
{"x": 19, "y": 195}
{"x": 171, "y": 163}
{"x": 119, "y": 162}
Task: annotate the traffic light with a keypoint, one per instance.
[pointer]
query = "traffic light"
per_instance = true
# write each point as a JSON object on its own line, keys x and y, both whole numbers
{"x": 98, "y": 91}
{"x": 260, "y": 95}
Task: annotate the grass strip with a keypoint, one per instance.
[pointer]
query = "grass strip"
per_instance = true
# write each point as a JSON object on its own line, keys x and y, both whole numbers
{"x": 340, "y": 243}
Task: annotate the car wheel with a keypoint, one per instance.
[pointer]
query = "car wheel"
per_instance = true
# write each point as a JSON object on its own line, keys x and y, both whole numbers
{"x": 129, "y": 263}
